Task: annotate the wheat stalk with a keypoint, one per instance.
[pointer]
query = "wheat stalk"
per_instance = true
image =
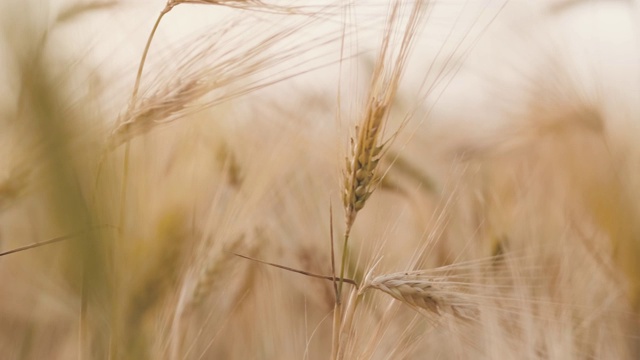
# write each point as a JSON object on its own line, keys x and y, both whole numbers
{"x": 360, "y": 175}
{"x": 360, "y": 178}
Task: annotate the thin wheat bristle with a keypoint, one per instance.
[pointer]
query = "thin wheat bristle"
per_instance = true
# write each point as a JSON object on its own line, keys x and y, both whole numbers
{"x": 254, "y": 5}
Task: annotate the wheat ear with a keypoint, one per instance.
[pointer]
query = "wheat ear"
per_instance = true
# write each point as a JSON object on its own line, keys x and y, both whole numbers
{"x": 428, "y": 294}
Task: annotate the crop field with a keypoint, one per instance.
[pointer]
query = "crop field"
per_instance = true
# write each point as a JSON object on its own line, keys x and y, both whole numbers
{"x": 320, "y": 179}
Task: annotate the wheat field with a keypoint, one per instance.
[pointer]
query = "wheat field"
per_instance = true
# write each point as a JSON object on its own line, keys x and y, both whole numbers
{"x": 339, "y": 179}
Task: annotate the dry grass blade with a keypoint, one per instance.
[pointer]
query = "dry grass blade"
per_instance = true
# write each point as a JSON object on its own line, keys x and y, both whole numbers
{"x": 41, "y": 243}
{"x": 325, "y": 277}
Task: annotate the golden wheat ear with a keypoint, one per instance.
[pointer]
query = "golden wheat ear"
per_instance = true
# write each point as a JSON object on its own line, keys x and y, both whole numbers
{"x": 427, "y": 295}
{"x": 367, "y": 147}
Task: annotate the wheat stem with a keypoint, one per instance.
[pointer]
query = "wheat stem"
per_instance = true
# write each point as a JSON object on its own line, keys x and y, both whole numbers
{"x": 134, "y": 97}
{"x": 136, "y": 86}
{"x": 337, "y": 322}
{"x": 343, "y": 264}
{"x": 350, "y": 311}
